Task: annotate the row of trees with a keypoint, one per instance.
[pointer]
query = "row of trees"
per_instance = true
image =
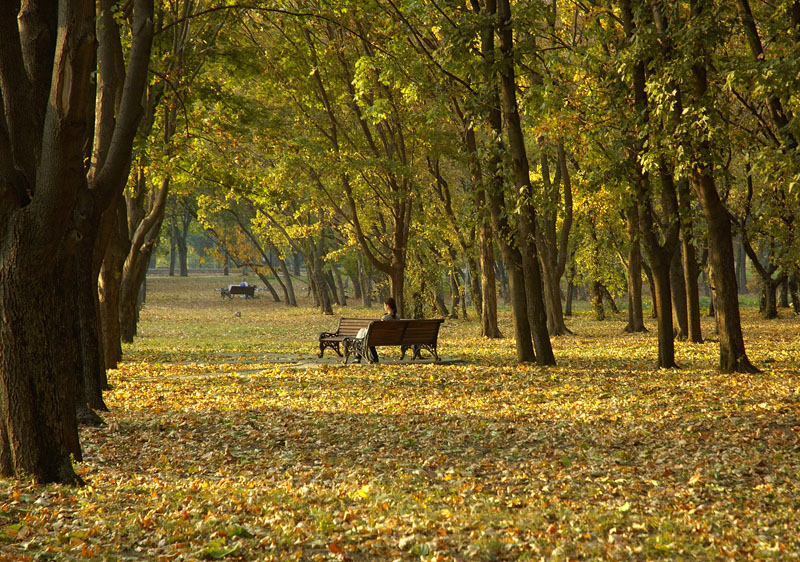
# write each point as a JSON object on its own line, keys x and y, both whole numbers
{"x": 391, "y": 136}
{"x": 404, "y": 136}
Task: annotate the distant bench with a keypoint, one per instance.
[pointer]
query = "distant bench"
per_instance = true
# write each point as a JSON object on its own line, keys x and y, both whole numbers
{"x": 407, "y": 334}
{"x": 249, "y": 291}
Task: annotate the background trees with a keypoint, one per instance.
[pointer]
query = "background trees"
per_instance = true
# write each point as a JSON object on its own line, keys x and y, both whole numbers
{"x": 399, "y": 147}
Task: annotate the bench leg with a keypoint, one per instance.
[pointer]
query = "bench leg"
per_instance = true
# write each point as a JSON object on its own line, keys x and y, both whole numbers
{"x": 329, "y": 345}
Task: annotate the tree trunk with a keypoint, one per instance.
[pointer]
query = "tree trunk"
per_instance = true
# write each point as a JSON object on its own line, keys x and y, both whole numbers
{"x": 366, "y": 285}
{"x": 691, "y": 272}
{"x": 273, "y": 293}
{"x": 678, "y": 294}
{"x": 597, "y": 301}
{"x": 612, "y": 304}
{"x": 455, "y": 294}
{"x": 173, "y": 248}
{"x": 291, "y": 298}
{"x": 662, "y": 296}
{"x": 741, "y": 267}
{"x": 356, "y": 281}
{"x": 733, "y": 357}
{"x": 794, "y": 292}
{"x": 38, "y": 427}
{"x": 537, "y": 317}
{"x": 183, "y": 251}
{"x": 475, "y": 291}
{"x": 489, "y": 328}
{"x": 783, "y": 301}
{"x": 339, "y": 285}
{"x": 634, "y": 271}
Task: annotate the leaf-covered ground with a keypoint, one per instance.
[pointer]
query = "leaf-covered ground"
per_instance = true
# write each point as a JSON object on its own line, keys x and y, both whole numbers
{"x": 212, "y": 452}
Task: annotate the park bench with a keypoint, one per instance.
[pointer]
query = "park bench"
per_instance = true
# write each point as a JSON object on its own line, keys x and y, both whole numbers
{"x": 348, "y": 328}
{"x": 249, "y": 291}
{"x": 407, "y": 334}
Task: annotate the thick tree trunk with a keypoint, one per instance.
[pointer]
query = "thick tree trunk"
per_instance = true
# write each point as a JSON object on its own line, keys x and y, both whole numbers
{"x": 331, "y": 284}
{"x": 109, "y": 287}
{"x": 783, "y": 300}
{"x": 794, "y": 292}
{"x": 733, "y": 357}
{"x": 38, "y": 427}
{"x": 769, "y": 290}
{"x": 321, "y": 286}
{"x": 357, "y": 292}
{"x": 397, "y": 282}
{"x": 662, "y": 296}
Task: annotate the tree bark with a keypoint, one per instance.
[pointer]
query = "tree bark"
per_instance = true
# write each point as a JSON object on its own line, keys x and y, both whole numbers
{"x": 496, "y": 201}
{"x": 733, "y": 357}
{"x": 526, "y": 223}
{"x": 678, "y": 294}
{"x": 488, "y": 285}
{"x": 489, "y": 328}
{"x": 634, "y": 273}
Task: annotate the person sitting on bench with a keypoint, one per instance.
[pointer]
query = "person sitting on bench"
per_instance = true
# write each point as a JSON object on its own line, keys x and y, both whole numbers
{"x": 390, "y": 306}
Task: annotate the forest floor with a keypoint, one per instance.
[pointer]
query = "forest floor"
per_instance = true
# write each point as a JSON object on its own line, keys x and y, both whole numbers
{"x": 218, "y": 445}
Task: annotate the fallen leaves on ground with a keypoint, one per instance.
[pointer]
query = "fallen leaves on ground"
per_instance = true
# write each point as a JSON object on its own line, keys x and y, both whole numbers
{"x": 210, "y": 452}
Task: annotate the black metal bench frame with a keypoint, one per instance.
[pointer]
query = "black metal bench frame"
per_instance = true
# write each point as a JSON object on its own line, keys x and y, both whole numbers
{"x": 348, "y": 327}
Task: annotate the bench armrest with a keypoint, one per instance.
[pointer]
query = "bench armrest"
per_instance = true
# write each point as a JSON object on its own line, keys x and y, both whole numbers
{"x": 328, "y": 335}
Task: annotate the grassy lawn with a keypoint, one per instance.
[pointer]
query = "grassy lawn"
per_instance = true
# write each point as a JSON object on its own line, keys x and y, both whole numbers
{"x": 212, "y": 450}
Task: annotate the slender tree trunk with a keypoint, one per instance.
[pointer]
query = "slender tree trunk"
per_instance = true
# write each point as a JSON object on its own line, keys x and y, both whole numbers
{"x": 741, "y": 267}
{"x": 597, "y": 301}
{"x": 489, "y": 328}
{"x": 526, "y": 224}
{"x": 291, "y": 298}
{"x": 173, "y": 249}
{"x": 678, "y": 293}
{"x": 183, "y": 251}
{"x": 273, "y": 293}
{"x": 455, "y": 294}
{"x": 366, "y": 288}
{"x": 634, "y": 267}
{"x": 339, "y": 285}
{"x": 783, "y": 301}
{"x": 691, "y": 272}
